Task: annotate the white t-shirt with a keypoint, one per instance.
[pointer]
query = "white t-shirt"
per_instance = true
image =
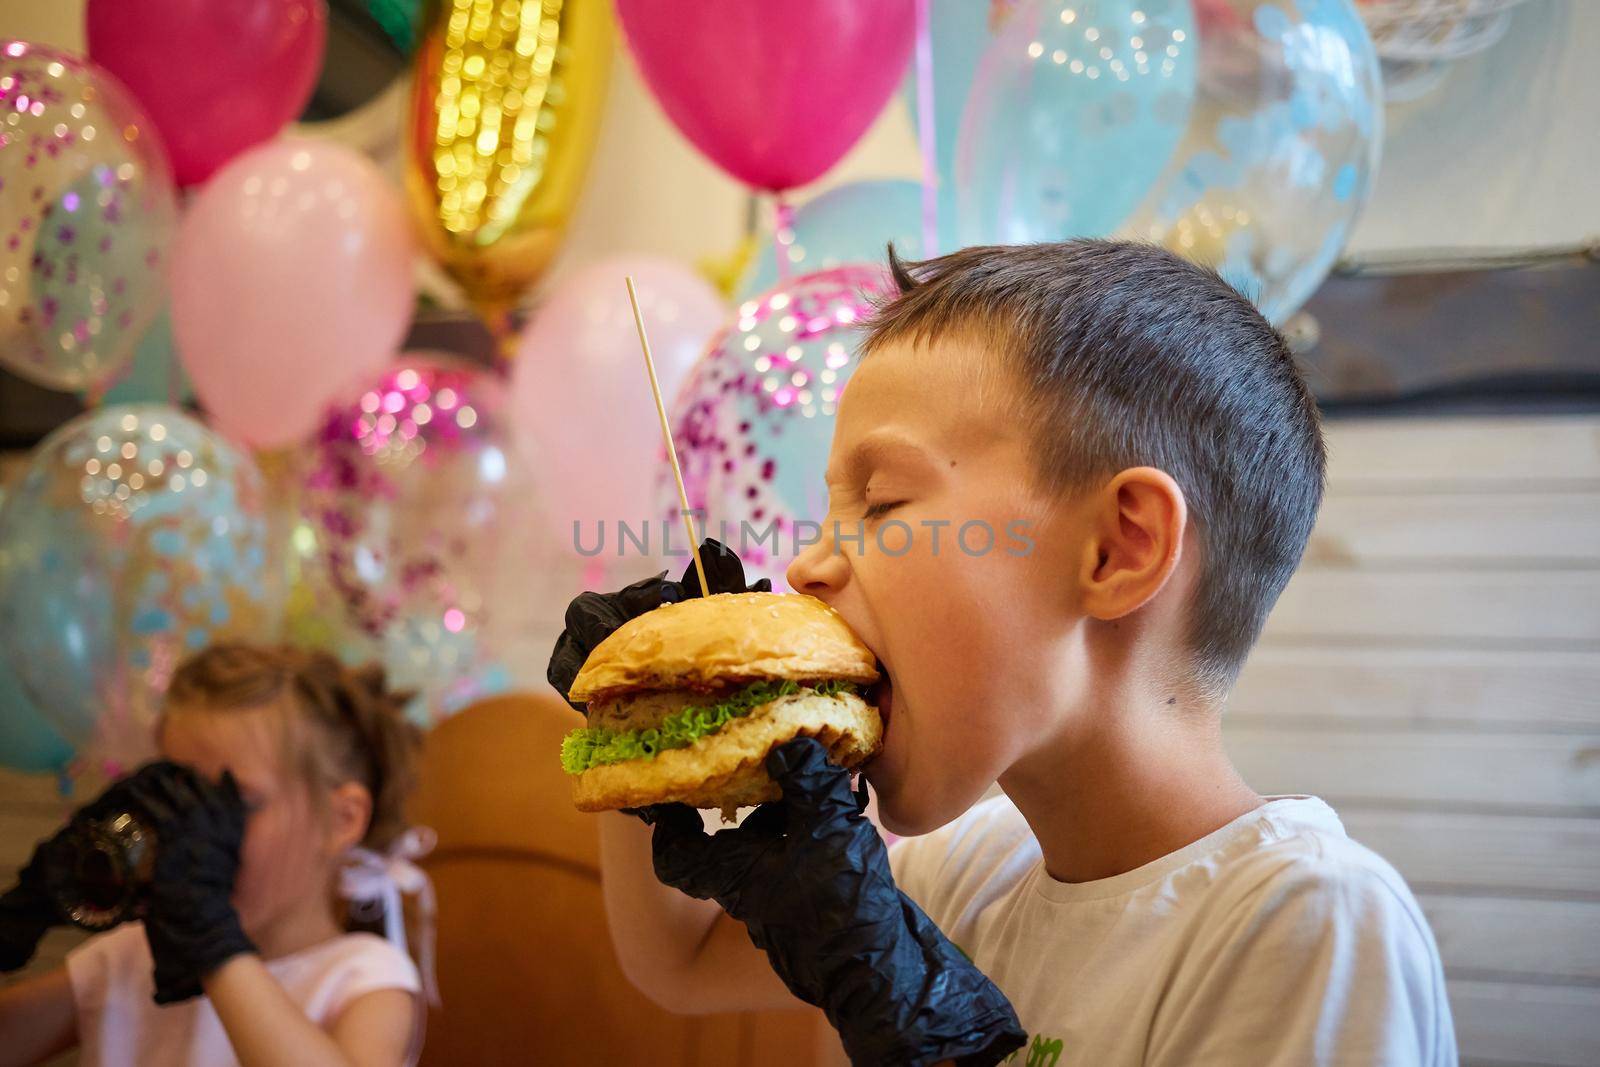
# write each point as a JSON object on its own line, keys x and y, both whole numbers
{"x": 1274, "y": 941}
{"x": 119, "y": 1025}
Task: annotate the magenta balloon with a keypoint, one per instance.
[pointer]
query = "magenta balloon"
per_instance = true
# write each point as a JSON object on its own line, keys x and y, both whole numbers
{"x": 773, "y": 92}
{"x": 580, "y": 399}
{"x": 217, "y": 76}
{"x": 291, "y": 278}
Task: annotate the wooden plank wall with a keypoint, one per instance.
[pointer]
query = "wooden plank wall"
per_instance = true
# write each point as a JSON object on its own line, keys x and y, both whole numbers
{"x": 1434, "y": 673}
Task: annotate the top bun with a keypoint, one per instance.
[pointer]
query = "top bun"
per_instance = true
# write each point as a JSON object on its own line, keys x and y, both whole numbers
{"x": 725, "y": 639}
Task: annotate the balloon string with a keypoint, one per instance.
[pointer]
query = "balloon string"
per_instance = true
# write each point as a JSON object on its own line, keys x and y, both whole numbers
{"x": 502, "y": 323}
{"x": 783, "y": 236}
{"x": 174, "y": 382}
{"x": 926, "y": 131}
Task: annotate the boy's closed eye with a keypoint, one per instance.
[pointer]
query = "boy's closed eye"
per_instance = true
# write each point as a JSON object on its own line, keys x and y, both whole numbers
{"x": 879, "y": 508}
{"x": 856, "y": 480}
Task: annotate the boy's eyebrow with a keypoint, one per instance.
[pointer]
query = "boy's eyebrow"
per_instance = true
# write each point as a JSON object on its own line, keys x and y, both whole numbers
{"x": 875, "y": 447}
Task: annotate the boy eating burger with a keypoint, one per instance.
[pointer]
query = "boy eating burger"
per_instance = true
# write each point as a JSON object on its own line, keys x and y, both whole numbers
{"x": 1132, "y": 897}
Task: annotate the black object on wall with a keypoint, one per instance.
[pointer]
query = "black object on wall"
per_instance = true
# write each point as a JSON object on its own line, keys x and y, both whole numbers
{"x": 1480, "y": 340}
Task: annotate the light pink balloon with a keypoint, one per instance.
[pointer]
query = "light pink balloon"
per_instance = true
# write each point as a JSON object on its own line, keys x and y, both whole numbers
{"x": 774, "y": 93}
{"x": 291, "y": 280}
{"x": 580, "y": 398}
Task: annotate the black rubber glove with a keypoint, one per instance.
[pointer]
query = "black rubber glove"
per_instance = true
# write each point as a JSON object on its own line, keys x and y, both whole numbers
{"x": 29, "y": 909}
{"x": 809, "y": 877}
{"x": 26, "y": 912}
{"x": 189, "y": 917}
{"x": 591, "y": 617}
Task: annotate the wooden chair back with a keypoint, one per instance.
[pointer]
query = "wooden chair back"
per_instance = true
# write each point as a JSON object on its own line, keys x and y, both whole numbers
{"x": 525, "y": 964}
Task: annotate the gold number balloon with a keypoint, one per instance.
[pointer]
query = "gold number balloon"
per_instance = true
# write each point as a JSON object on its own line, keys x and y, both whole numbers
{"x": 505, "y": 106}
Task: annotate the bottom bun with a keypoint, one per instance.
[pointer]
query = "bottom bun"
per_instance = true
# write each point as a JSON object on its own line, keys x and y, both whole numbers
{"x": 727, "y": 769}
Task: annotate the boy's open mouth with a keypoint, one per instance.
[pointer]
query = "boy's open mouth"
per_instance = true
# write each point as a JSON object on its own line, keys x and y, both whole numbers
{"x": 881, "y": 694}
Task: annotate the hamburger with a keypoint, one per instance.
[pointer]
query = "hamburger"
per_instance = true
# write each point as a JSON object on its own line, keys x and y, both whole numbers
{"x": 685, "y": 702}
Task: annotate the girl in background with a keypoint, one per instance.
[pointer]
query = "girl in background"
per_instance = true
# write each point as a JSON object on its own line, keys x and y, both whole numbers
{"x": 284, "y": 773}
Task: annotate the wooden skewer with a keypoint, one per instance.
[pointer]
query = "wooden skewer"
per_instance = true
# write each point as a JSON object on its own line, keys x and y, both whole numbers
{"x": 666, "y": 435}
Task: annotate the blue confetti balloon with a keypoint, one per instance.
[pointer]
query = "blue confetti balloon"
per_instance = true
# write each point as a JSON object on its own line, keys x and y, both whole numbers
{"x": 959, "y": 31}
{"x": 849, "y": 224}
{"x": 1076, "y": 108}
{"x": 1281, "y": 149}
{"x": 27, "y": 743}
{"x": 135, "y": 537}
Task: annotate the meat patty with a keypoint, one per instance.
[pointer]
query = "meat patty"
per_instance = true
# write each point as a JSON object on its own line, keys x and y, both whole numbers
{"x": 644, "y": 711}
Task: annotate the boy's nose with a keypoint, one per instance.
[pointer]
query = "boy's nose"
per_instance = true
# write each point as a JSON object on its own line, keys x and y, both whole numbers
{"x": 819, "y": 570}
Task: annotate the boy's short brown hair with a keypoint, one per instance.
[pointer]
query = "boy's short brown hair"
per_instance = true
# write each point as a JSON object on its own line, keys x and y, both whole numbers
{"x": 1131, "y": 356}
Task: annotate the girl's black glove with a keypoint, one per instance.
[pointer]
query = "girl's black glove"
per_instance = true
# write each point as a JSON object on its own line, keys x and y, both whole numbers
{"x": 26, "y": 912}
{"x": 29, "y": 908}
{"x": 591, "y": 617}
{"x": 809, "y": 877}
{"x": 189, "y": 917}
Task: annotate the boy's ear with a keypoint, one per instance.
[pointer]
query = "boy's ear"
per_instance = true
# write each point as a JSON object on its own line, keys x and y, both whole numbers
{"x": 350, "y": 813}
{"x": 1138, "y": 522}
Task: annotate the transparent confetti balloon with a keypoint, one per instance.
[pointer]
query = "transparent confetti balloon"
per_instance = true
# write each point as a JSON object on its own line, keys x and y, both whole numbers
{"x": 86, "y": 209}
{"x": 1281, "y": 149}
{"x": 1074, "y": 111}
{"x": 410, "y": 492}
{"x": 754, "y": 422}
{"x": 136, "y": 536}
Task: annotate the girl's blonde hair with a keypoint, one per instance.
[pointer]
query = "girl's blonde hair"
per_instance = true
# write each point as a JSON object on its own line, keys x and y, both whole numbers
{"x": 341, "y": 724}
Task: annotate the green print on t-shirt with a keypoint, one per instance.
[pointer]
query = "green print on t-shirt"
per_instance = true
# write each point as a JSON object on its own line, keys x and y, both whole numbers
{"x": 1044, "y": 1052}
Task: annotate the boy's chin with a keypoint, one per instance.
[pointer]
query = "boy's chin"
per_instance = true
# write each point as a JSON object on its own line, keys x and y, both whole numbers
{"x": 908, "y": 812}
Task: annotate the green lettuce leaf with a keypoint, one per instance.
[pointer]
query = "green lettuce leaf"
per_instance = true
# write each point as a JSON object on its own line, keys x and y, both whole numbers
{"x": 595, "y": 746}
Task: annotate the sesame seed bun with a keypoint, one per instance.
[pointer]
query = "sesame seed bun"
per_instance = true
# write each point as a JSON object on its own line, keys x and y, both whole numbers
{"x": 717, "y": 645}
{"x": 726, "y": 639}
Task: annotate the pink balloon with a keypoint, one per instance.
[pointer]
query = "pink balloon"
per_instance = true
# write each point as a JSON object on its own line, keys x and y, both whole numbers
{"x": 774, "y": 93}
{"x": 217, "y": 76}
{"x": 580, "y": 398}
{"x": 291, "y": 279}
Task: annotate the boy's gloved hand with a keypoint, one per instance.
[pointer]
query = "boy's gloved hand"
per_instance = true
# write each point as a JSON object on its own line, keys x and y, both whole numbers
{"x": 189, "y": 917}
{"x": 29, "y": 908}
{"x": 809, "y": 877}
{"x": 591, "y": 617}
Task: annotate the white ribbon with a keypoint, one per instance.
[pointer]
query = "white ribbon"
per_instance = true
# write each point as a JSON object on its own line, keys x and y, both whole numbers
{"x": 380, "y": 878}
